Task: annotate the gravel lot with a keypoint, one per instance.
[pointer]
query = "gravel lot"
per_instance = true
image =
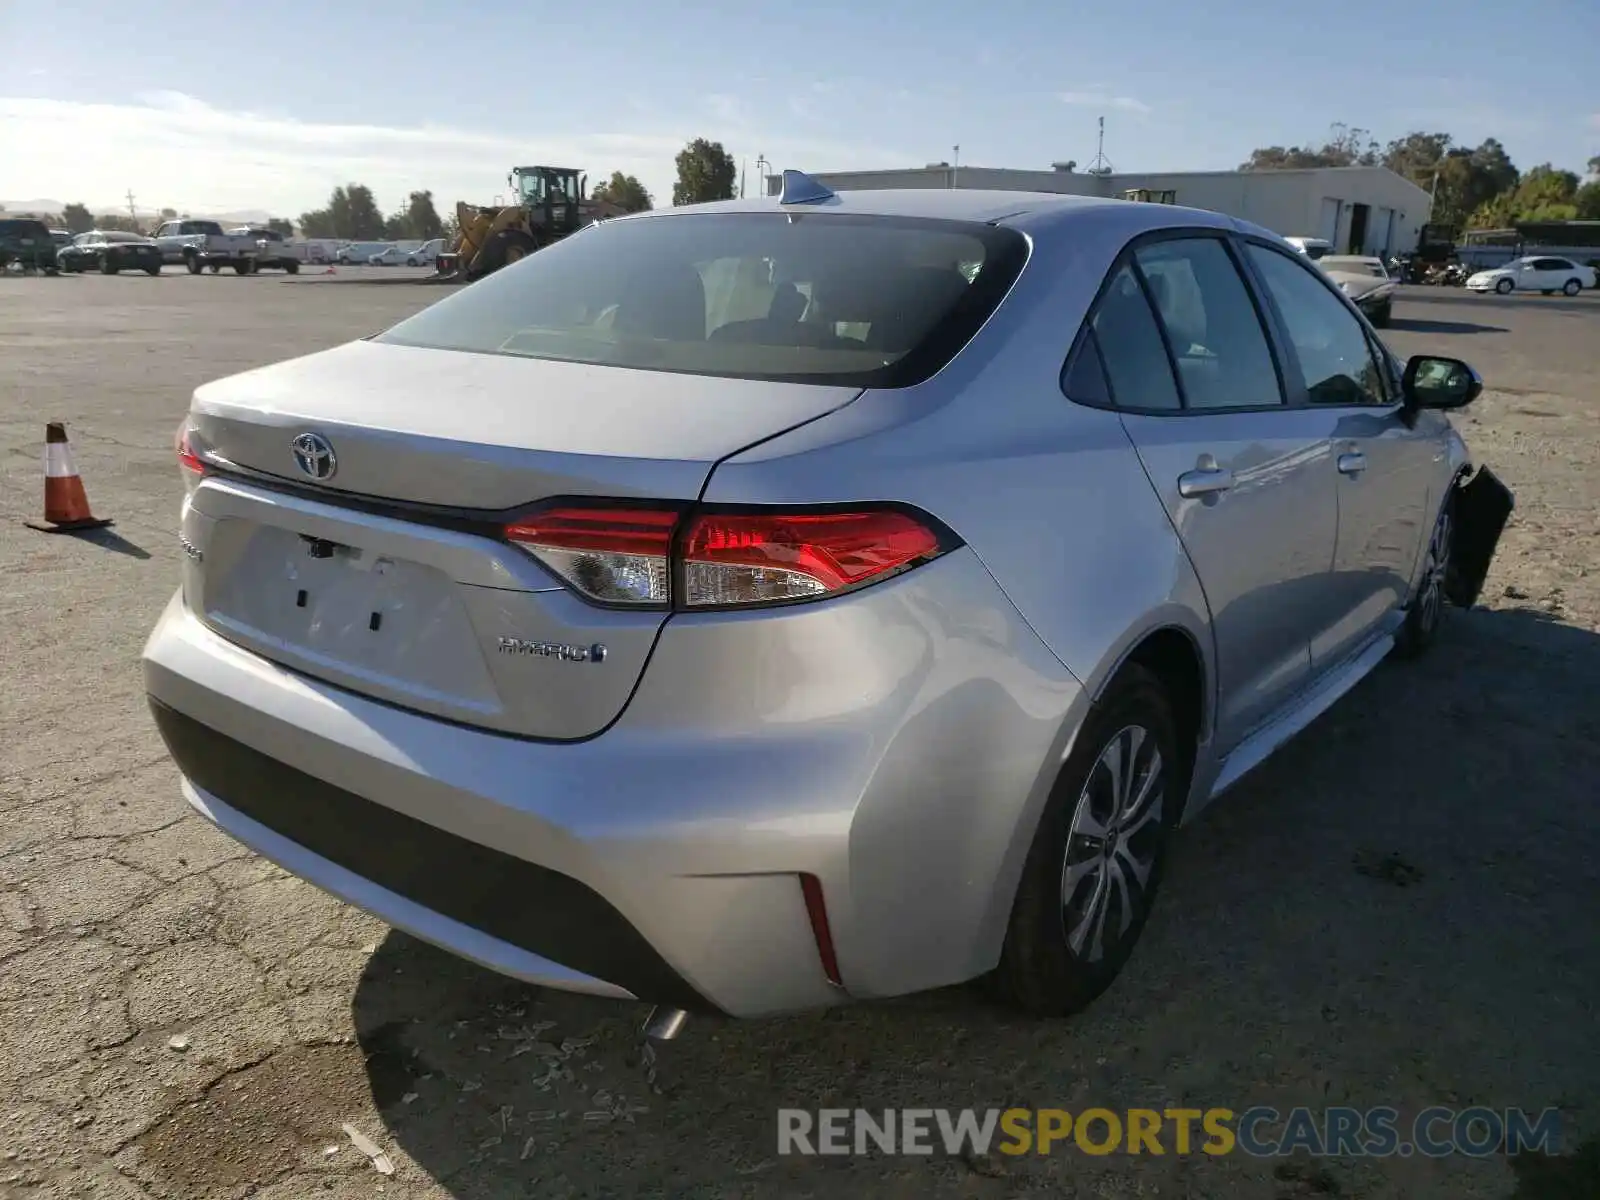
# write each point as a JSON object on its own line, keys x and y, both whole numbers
{"x": 1279, "y": 968}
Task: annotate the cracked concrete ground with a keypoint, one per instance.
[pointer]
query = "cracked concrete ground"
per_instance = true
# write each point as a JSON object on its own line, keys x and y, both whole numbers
{"x": 180, "y": 1018}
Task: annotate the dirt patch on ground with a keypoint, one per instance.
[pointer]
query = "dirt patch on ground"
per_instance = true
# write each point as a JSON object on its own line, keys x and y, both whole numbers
{"x": 259, "y": 1123}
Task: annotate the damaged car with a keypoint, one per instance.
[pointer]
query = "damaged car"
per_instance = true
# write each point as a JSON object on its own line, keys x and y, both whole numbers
{"x": 1367, "y": 282}
{"x": 757, "y": 606}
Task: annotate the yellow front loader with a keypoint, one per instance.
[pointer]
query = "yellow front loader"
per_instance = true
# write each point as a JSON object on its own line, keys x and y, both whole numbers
{"x": 550, "y": 206}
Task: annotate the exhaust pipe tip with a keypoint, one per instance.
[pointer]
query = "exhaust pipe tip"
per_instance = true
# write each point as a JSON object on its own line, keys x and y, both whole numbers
{"x": 664, "y": 1024}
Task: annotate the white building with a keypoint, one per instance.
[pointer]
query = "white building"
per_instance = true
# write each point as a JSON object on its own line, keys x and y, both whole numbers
{"x": 1361, "y": 210}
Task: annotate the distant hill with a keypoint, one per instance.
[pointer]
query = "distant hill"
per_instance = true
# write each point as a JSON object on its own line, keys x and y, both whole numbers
{"x": 250, "y": 216}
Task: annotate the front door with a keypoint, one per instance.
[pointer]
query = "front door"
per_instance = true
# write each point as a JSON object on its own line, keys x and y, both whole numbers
{"x": 1246, "y": 480}
{"x": 1381, "y": 468}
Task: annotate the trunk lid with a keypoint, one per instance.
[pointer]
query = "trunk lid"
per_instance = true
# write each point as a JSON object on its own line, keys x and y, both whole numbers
{"x": 387, "y": 577}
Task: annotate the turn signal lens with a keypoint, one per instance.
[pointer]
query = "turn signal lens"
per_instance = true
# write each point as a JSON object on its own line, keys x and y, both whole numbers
{"x": 187, "y": 458}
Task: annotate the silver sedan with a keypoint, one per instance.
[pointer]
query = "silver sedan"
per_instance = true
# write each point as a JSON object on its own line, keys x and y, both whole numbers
{"x": 761, "y": 605}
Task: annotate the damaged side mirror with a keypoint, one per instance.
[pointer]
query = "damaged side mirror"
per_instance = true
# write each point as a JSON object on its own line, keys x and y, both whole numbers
{"x": 1431, "y": 382}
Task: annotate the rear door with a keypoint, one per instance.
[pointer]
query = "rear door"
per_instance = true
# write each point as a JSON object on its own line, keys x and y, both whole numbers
{"x": 1245, "y": 478}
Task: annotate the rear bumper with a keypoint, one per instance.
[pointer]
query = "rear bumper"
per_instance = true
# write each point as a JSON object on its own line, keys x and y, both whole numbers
{"x": 897, "y": 745}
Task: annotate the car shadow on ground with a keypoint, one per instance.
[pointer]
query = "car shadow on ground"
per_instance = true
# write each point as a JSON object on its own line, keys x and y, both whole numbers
{"x": 1401, "y": 907}
{"x": 1416, "y": 325}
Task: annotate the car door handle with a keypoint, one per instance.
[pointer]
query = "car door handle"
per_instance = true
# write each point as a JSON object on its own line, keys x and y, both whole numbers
{"x": 1352, "y": 464}
{"x": 1204, "y": 482}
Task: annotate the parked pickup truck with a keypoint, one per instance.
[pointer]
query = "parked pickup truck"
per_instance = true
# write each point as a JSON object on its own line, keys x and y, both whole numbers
{"x": 275, "y": 253}
{"x": 201, "y": 244}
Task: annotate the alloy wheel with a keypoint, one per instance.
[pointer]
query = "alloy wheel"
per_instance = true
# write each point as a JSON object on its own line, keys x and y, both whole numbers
{"x": 1430, "y": 599}
{"x": 1112, "y": 843}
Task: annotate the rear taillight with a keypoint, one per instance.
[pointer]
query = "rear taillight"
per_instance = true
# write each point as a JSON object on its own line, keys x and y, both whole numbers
{"x": 187, "y": 458}
{"x": 614, "y": 555}
{"x": 660, "y": 557}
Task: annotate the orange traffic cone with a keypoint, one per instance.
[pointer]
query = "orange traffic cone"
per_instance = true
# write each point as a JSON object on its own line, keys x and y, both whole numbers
{"x": 66, "y": 506}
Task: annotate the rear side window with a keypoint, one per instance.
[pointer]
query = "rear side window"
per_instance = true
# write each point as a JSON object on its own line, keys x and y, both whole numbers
{"x": 1130, "y": 347}
{"x": 17, "y": 228}
{"x": 1212, "y": 327}
{"x": 821, "y": 298}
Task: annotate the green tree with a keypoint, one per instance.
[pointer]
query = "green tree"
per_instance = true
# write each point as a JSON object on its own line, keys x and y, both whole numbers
{"x": 1347, "y": 146}
{"x": 352, "y": 214}
{"x": 396, "y": 228}
{"x": 279, "y": 225}
{"x": 1594, "y": 165}
{"x": 422, "y": 219}
{"x": 318, "y": 223}
{"x": 77, "y": 218}
{"x": 169, "y": 214}
{"x": 1587, "y": 201}
{"x": 625, "y": 191}
{"x": 705, "y": 172}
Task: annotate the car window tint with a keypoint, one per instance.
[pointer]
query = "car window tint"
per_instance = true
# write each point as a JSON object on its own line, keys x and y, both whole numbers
{"x": 852, "y": 300}
{"x": 1212, "y": 326}
{"x": 1329, "y": 341}
{"x": 1085, "y": 379}
{"x": 1131, "y": 349}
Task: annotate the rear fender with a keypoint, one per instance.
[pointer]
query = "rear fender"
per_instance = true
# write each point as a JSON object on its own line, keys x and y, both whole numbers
{"x": 1483, "y": 505}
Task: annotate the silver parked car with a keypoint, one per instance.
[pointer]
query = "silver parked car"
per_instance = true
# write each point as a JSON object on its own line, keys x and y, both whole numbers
{"x": 752, "y": 606}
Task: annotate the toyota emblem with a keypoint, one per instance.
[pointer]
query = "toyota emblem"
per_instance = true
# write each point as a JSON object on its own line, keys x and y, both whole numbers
{"x": 313, "y": 454}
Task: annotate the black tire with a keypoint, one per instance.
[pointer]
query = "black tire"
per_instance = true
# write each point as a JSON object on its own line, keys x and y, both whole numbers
{"x": 292, "y": 267}
{"x": 1040, "y": 971}
{"x": 216, "y": 268}
{"x": 108, "y": 265}
{"x": 192, "y": 262}
{"x": 1425, "y": 612}
{"x": 1571, "y": 287}
{"x": 1504, "y": 287}
{"x": 153, "y": 270}
{"x": 241, "y": 266}
{"x": 507, "y": 246}
{"x": 1383, "y": 316}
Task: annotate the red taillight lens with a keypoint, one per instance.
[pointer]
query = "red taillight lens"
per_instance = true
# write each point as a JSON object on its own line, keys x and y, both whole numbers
{"x": 760, "y": 558}
{"x": 187, "y": 458}
{"x": 621, "y": 555}
{"x": 615, "y": 555}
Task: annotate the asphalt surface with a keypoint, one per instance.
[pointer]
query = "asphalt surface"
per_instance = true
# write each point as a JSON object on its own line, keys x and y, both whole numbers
{"x": 1401, "y": 908}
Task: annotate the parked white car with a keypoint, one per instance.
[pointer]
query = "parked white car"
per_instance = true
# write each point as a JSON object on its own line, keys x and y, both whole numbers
{"x": 200, "y": 244}
{"x": 353, "y": 253}
{"x": 426, "y": 254}
{"x": 389, "y": 256}
{"x": 1538, "y": 273}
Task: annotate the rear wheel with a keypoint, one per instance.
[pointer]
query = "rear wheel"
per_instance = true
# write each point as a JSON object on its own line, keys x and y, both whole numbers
{"x": 1092, "y": 873}
{"x": 292, "y": 267}
{"x": 1381, "y": 317}
{"x": 192, "y": 263}
{"x": 1504, "y": 286}
{"x": 241, "y": 266}
{"x": 108, "y": 266}
{"x": 1571, "y": 287}
{"x": 153, "y": 269}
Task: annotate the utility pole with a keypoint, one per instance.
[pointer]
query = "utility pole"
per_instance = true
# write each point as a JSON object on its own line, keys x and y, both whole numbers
{"x": 955, "y": 161}
{"x": 761, "y": 173}
{"x": 744, "y": 164}
{"x": 132, "y": 212}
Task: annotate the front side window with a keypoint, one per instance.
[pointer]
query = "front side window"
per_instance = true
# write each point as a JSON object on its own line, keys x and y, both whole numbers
{"x": 1330, "y": 342}
{"x": 815, "y": 298}
{"x": 1212, "y": 327}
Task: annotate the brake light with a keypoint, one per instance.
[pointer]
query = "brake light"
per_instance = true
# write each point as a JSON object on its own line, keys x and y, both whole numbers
{"x": 756, "y": 558}
{"x": 617, "y": 554}
{"x": 187, "y": 458}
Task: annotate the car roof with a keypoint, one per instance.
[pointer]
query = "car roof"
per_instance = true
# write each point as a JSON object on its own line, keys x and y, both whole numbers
{"x": 1030, "y": 211}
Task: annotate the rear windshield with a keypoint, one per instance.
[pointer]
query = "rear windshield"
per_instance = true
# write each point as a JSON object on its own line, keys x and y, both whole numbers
{"x": 809, "y": 298}
{"x": 124, "y": 237}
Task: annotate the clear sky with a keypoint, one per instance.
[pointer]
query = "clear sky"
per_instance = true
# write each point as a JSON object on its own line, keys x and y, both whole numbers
{"x": 226, "y": 106}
